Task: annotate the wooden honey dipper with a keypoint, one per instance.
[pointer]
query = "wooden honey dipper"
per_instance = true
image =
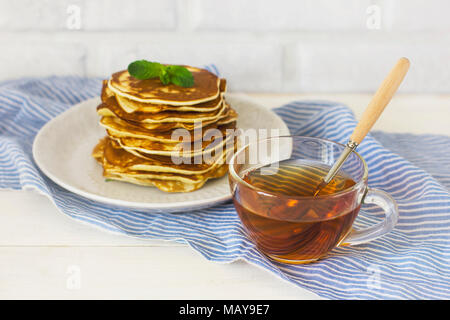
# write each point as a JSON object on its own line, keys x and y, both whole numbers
{"x": 373, "y": 111}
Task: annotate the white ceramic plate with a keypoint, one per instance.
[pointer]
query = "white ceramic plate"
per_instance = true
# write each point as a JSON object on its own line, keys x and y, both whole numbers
{"x": 62, "y": 150}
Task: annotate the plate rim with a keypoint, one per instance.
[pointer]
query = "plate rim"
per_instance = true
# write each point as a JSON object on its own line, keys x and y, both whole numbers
{"x": 125, "y": 203}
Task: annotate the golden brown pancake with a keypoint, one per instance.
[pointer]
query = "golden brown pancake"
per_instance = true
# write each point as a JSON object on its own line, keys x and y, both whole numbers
{"x": 110, "y": 101}
{"x": 158, "y": 171}
{"x": 144, "y": 145}
{"x": 206, "y": 87}
{"x": 118, "y": 128}
{"x": 119, "y": 160}
{"x": 164, "y": 116}
{"x": 166, "y": 126}
{"x": 143, "y": 148}
{"x": 169, "y": 182}
{"x": 129, "y": 105}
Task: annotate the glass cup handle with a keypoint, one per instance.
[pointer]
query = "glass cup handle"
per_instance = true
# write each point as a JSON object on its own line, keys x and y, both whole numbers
{"x": 385, "y": 202}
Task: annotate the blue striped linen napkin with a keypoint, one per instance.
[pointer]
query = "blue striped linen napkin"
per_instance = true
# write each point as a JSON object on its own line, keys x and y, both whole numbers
{"x": 412, "y": 262}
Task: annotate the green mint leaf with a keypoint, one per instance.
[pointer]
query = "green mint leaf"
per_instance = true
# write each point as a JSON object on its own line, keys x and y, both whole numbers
{"x": 164, "y": 76}
{"x": 143, "y": 69}
{"x": 180, "y": 76}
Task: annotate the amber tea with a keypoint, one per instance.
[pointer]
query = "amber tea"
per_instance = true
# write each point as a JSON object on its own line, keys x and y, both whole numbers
{"x": 276, "y": 205}
{"x": 285, "y": 220}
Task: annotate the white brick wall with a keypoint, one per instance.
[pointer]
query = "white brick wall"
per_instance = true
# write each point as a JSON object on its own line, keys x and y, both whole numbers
{"x": 420, "y": 15}
{"x": 27, "y": 15}
{"x": 280, "y": 15}
{"x": 259, "y": 45}
{"x": 36, "y": 59}
{"x": 338, "y": 64}
{"x": 117, "y": 15}
{"x": 250, "y": 66}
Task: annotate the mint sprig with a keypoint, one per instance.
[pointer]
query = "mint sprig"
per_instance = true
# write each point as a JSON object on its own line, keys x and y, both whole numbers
{"x": 178, "y": 75}
{"x": 143, "y": 69}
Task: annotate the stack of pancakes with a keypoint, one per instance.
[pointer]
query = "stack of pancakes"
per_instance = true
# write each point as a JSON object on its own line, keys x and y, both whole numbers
{"x": 171, "y": 137}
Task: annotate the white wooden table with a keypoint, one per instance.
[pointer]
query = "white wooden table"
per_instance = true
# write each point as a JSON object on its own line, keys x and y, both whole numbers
{"x": 45, "y": 254}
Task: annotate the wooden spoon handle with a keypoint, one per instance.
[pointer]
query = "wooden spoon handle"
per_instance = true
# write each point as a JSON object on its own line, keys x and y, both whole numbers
{"x": 380, "y": 100}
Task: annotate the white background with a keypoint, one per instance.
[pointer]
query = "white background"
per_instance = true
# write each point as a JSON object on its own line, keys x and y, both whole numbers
{"x": 259, "y": 45}
{"x": 284, "y": 50}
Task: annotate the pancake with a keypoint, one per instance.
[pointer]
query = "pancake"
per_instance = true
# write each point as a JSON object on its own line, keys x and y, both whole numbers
{"x": 141, "y": 147}
{"x": 160, "y": 171}
{"x": 129, "y": 105}
{"x": 206, "y": 87}
{"x": 143, "y": 144}
{"x": 117, "y": 128}
{"x": 166, "y": 126}
{"x": 168, "y": 182}
{"x": 118, "y": 160}
{"x": 111, "y": 104}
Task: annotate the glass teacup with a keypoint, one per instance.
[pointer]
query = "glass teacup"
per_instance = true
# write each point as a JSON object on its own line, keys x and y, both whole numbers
{"x": 272, "y": 182}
